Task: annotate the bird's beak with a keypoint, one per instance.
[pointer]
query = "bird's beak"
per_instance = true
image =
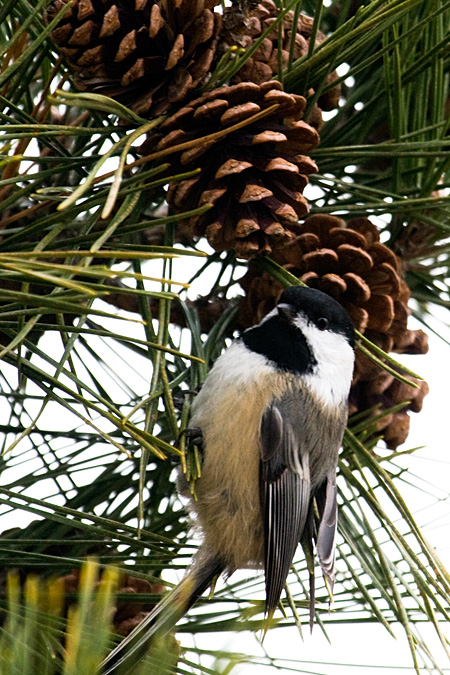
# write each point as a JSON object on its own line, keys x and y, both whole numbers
{"x": 285, "y": 312}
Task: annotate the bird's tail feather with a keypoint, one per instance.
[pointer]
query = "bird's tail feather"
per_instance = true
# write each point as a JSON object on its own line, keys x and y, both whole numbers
{"x": 163, "y": 617}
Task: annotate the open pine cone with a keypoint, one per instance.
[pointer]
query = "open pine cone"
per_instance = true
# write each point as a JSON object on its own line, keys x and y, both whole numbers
{"x": 347, "y": 261}
{"x": 254, "y": 175}
{"x": 243, "y": 26}
{"x": 148, "y": 54}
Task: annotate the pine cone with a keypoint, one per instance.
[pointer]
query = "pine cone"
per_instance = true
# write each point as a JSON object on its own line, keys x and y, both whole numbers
{"x": 147, "y": 54}
{"x": 244, "y": 27}
{"x": 254, "y": 175}
{"x": 385, "y": 392}
{"x": 127, "y": 614}
{"x": 348, "y": 262}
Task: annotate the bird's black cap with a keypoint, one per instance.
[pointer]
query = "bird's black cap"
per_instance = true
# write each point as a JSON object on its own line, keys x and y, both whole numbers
{"x": 317, "y": 305}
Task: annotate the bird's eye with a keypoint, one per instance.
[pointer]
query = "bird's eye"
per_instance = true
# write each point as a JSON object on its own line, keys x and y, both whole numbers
{"x": 322, "y": 323}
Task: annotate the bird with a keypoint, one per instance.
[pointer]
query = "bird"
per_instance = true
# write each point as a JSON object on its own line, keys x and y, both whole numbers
{"x": 269, "y": 420}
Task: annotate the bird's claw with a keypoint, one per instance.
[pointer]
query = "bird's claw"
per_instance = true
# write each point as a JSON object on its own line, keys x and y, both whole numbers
{"x": 194, "y": 436}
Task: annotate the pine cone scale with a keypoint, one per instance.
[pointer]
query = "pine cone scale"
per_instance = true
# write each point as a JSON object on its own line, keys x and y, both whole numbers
{"x": 231, "y": 167}
{"x": 111, "y": 22}
{"x": 358, "y": 288}
{"x": 82, "y": 35}
{"x": 253, "y": 193}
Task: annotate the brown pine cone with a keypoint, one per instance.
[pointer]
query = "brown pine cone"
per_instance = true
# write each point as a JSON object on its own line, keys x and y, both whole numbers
{"x": 147, "y": 54}
{"x": 385, "y": 392}
{"x": 254, "y": 176}
{"x": 242, "y": 27}
{"x": 127, "y": 614}
{"x": 347, "y": 261}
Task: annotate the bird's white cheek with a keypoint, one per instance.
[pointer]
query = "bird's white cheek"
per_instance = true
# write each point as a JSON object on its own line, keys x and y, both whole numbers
{"x": 332, "y": 376}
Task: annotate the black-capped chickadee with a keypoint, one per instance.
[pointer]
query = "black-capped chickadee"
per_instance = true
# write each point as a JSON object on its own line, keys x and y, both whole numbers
{"x": 271, "y": 416}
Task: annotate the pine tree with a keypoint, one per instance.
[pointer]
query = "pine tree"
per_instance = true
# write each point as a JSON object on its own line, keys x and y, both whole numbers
{"x": 168, "y": 167}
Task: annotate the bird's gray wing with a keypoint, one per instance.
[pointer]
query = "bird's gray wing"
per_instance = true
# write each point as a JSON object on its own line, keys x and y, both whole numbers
{"x": 325, "y": 496}
{"x": 326, "y": 535}
{"x": 285, "y": 493}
